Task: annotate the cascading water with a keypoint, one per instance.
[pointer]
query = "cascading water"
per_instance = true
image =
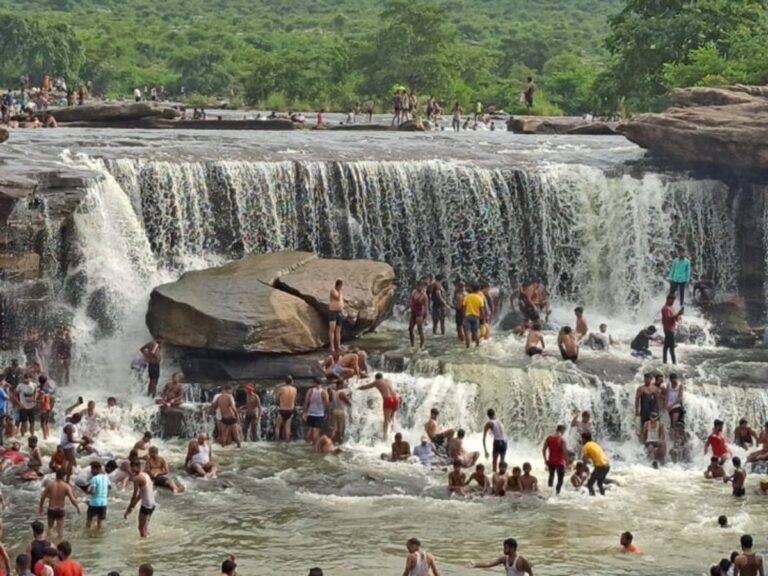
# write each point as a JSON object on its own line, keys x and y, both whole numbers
{"x": 603, "y": 240}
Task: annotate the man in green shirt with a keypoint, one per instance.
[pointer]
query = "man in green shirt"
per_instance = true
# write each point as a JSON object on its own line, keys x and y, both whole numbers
{"x": 680, "y": 274}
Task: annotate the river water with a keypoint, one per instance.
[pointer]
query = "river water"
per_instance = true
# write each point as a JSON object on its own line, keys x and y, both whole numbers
{"x": 566, "y": 208}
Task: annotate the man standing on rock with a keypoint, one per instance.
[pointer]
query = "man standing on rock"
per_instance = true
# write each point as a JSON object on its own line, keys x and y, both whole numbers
{"x": 153, "y": 355}
{"x": 336, "y": 315}
{"x": 389, "y": 397}
{"x": 680, "y": 274}
{"x": 669, "y": 320}
{"x": 285, "y": 398}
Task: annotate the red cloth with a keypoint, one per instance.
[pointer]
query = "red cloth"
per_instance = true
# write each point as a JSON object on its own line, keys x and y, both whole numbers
{"x": 68, "y": 568}
{"x": 668, "y": 319}
{"x": 555, "y": 454}
{"x": 719, "y": 446}
{"x": 392, "y": 403}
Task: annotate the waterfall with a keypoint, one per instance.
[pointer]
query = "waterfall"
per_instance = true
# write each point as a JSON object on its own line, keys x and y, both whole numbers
{"x": 603, "y": 240}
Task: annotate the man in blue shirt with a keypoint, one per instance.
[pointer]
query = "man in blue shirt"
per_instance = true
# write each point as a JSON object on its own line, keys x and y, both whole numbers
{"x": 99, "y": 490}
{"x": 680, "y": 274}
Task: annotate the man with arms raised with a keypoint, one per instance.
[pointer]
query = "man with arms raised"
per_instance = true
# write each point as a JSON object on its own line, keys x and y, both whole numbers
{"x": 389, "y": 397}
{"x": 285, "y": 398}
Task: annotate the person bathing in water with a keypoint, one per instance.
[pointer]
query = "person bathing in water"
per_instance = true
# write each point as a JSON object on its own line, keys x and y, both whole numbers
{"x": 419, "y": 306}
{"x": 534, "y": 342}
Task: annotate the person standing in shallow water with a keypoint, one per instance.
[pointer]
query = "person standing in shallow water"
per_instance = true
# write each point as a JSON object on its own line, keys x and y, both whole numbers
{"x": 419, "y": 562}
{"x": 680, "y": 275}
{"x": 419, "y": 305}
{"x": 336, "y": 315}
{"x": 669, "y": 320}
{"x": 514, "y": 563}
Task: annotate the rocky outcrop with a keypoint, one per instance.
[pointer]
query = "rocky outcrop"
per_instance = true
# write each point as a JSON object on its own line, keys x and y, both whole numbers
{"x": 729, "y": 325}
{"x": 558, "y": 125}
{"x": 270, "y": 303}
{"x": 3, "y": 135}
{"x": 113, "y": 112}
{"x": 158, "y": 123}
{"x": 724, "y": 127}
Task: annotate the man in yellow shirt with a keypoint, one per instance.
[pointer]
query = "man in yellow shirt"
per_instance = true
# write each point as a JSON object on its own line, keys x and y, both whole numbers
{"x": 591, "y": 450}
{"x": 473, "y": 311}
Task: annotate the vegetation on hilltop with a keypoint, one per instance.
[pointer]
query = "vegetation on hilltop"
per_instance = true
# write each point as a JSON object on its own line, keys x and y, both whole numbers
{"x": 586, "y": 55}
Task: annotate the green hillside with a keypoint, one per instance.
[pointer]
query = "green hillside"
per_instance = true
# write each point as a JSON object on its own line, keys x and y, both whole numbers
{"x": 586, "y": 55}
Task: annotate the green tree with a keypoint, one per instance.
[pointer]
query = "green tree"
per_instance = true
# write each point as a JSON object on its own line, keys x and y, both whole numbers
{"x": 413, "y": 48}
{"x": 648, "y": 35}
{"x": 38, "y": 46}
{"x": 569, "y": 79}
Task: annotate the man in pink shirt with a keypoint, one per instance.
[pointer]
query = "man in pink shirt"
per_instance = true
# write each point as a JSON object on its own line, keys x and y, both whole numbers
{"x": 670, "y": 319}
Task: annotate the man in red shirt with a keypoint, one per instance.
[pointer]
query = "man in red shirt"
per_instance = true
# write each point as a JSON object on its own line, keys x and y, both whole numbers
{"x": 67, "y": 567}
{"x": 670, "y": 319}
{"x": 718, "y": 443}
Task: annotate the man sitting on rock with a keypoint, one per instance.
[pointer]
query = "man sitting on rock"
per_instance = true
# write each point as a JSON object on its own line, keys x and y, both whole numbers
{"x": 338, "y": 367}
{"x": 173, "y": 394}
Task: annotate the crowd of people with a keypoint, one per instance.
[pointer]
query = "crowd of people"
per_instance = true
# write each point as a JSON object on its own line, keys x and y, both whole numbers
{"x": 27, "y": 397}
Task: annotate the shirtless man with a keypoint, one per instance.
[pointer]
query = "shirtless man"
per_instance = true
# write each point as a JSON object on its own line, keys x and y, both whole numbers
{"x": 529, "y": 484}
{"x": 500, "y": 479}
{"x": 513, "y": 482}
{"x": 715, "y": 470}
{"x": 144, "y": 492}
{"x": 143, "y": 444}
{"x": 173, "y": 393}
{"x": 340, "y": 403}
{"x": 253, "y": 409}
{"x": 152, "y": 353}
{"x": 744, "y": 434}
{"x": 748, "y": 563}
{"x": 325, "y": 445}
{"x": 230, "y": 417}
{"x": 338, "y": 367}
{"x": 285, "y": 398}
{"x": 199, "y": 460}
{"x": 534, "y": 342}
{"x": 568, "y": 344}
{"x": 419, "y": 306}
{"x": 336, "y": 315}
{"x": 362, "y": 361}
{"x": 533, "y": 301}
{"x": 524, "y": 329}
{"x": 458, "y": 305}
{"x": 478, "y": 476}
{"x": 401, "y": 450}
{"x": 581, "y": 324}
{"x": 431, "y": 428}
{"x": 457, "y": 479}
{"x": 389, "y": 397}
{"x": 57, "y": 493}
{"x": 514, "y": 563}
{"x": 646, "y": 401}
{"x": 580, "y": 475}
{"x": 439, "y": 305}
{"x": 158, "y": 471}
{"x": 457, "y": 453}
{"x": 737, "y": 479}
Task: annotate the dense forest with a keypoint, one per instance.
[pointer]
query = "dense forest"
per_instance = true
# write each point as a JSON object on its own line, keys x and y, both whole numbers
{"x": 600, "y": 56}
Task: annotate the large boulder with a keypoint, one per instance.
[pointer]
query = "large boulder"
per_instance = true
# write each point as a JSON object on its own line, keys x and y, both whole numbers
{"x": 270, "y": 303}
{"x": 729, "y": 325}
{"x": 708, "y": 126}
{"x": 369, "y": 289}
{"x": 3, "y": 135}
{"x": 113, "y": 112}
